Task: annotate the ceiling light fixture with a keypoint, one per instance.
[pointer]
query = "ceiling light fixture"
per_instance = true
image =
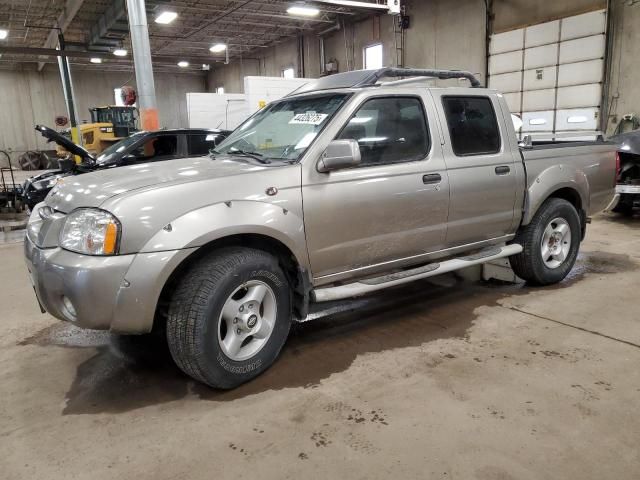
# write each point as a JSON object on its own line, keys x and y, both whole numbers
{"x": 218, "y": 48}
{"x": 183, "y": 64}
{"x": 3, "y": 34}
{"x": 166, "y": 17}
{"x": 96, "y": 60}
{"x": 303, "y": 10}
{"x": 120, "y": 52}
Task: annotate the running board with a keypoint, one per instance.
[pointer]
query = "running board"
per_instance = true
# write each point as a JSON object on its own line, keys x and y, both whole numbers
{"x": 430, "y": 270}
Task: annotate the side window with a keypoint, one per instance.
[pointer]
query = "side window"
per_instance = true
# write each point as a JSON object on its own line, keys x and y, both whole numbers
{"x": 201, "y": 143}
{"x": 389, "y": 130}
{"x": 157, "y": 148}
{"x": 472, "y": 125}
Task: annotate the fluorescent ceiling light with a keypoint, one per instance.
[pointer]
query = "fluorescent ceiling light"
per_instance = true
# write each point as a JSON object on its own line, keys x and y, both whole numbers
{"x": 166, "y": 17}
{"x": 4, "y": 34}
{"x": 96, "y": 60}
{"x": 303, "y": 10}
{"x": 218, "y": 47}
{"x": 183, "y": 64}
{"x": 120, "y": 52}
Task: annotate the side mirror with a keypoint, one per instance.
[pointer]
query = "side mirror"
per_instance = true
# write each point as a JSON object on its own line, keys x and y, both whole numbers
{"x": 339, "y": 154}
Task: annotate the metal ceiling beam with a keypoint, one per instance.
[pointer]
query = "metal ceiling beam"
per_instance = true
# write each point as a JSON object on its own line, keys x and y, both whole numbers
{"x": 62, "y": 23}
{"x": 52, "y": 52}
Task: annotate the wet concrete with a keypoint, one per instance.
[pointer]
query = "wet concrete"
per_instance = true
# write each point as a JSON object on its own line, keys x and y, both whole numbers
{"x": 437, "y": 379}
{"x": 129, "y": 372}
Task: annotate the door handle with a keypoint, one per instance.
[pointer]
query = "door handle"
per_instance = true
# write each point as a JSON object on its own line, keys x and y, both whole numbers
{"x": 503, "y": 170}
{"x": 431, "y": 178}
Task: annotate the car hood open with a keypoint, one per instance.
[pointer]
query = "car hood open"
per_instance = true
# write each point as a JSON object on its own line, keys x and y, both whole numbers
{"x": 53, "y": 136}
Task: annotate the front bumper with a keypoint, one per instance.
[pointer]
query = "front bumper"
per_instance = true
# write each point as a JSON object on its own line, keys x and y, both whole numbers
{"x": 117, "y": 293}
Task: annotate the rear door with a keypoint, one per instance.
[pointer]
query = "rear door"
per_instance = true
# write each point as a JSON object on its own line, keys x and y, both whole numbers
{"x": 481, "y": 167}
{"x": 390, "y": 208}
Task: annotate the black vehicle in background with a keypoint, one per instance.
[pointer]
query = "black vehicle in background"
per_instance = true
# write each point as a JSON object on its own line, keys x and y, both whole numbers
{"x": 628, "y": 168}
{"x": 140, "y": 147}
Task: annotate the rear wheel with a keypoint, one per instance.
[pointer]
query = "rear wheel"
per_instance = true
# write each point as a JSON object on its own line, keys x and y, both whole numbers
{"x": 229, "y": 317}
{"x": 550, "y": 243}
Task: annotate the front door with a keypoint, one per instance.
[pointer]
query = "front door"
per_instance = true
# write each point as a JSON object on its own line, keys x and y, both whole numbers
{"x": 392, "y": 206}
{"x": 481, "y": 166}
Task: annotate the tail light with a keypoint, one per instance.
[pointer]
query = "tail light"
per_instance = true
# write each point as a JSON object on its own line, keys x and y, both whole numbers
{"x": 618, "y": 168}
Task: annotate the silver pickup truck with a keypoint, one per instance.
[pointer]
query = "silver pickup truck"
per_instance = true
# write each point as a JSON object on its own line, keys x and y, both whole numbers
{"x": 354, "y": 183}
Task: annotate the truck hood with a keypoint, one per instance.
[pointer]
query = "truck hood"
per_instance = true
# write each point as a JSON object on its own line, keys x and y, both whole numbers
{"x": 53, "y": 136}
{"x": 93, "y": 189}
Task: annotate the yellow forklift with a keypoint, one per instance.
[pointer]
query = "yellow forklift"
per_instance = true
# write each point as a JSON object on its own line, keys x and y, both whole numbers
{"x": 108, "y": 125}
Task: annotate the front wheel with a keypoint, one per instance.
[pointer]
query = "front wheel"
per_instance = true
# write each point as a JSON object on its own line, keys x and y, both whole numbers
{"x": 229, "y": 317}
{"x": 550, "y": 243}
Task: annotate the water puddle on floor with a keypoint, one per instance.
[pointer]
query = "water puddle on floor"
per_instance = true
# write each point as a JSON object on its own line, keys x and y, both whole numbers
{"x": 126, "y": 373}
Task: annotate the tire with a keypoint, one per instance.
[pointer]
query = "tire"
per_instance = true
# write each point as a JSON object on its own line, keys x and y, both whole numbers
{"x": 198, "y": 329}
{"x": 624, "y": 206}
{"x": 558, "y": 215}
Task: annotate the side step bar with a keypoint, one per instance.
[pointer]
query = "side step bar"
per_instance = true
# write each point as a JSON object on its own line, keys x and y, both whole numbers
{"x": 430, "y": 270}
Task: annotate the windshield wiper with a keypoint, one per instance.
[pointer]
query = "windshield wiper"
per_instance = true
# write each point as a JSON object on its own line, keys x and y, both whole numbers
{"x": 255, "y": 155}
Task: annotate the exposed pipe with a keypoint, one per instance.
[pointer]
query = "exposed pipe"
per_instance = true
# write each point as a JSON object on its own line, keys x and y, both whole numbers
{"x": 323, "y": 58}
{"x": 67, "y": 89}
{"x": 334, "y": 28}
{"x": 142, "y": 64}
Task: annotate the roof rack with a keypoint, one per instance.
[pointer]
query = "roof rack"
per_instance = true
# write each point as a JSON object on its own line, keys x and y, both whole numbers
{"x": 376, "y": 75}
{"x": 366, "y": 78}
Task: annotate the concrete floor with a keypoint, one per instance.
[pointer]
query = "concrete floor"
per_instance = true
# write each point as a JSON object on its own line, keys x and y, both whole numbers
{"x": 446, "y": 380}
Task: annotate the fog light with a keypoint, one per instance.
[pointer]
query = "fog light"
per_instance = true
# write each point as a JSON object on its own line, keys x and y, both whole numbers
{"x": 68, "y": 306}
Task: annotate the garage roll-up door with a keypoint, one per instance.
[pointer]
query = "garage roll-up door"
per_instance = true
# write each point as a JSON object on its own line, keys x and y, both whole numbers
{"x": 551, "y": 74}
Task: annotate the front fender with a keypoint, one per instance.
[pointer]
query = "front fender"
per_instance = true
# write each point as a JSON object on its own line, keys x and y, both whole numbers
{"x": 201, "y": 226}
{"x": 551, "y": 180}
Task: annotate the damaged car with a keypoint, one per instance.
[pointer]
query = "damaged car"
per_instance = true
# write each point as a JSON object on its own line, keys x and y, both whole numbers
{"x": 141, "y": 147}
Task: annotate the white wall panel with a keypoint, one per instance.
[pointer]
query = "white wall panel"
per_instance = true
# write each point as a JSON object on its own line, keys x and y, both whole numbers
{"x": 212, "y": 110}
{"x": 581, "y": 49}
{"x": 591, "y": 23}
{"x": 506, "y": 82}
{"x": 577, "y": 119}
{"x": 268, "y": 89}
{"x": 506, "y": 42}
{"x": 540, "y": 78}
{"x": 513, "y": 101}
{"x": 542, "y": 34}
{"x": 505, "y": 62}
{"x": 580, "y": 73}
{"x": 543, "y": 56}
{"x": 579, "y": 96}
{"x": 537, "y": 100}
{"x": 537, "y": 121}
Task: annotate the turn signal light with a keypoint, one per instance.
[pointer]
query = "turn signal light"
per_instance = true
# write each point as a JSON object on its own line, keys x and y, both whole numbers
{"x": 110, "y": 239}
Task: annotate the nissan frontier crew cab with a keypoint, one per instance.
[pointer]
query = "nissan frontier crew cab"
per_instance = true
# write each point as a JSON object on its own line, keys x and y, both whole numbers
{"x": 354, "y": 183}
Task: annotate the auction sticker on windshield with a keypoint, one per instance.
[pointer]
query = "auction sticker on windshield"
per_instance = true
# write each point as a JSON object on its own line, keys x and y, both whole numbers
{"x": 308, "y": 118}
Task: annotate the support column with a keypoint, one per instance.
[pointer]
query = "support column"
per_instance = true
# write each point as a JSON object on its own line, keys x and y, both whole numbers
{"x": 69, "y": 98}
{"x": 139, "y": 31}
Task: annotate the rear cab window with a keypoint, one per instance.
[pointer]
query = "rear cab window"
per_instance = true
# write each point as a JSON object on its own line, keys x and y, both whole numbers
{"x": 473, "y": 126}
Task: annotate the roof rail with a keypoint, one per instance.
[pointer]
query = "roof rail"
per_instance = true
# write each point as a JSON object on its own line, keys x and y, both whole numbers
{"x": 376, "y": 75}
{"x": 365, "y": 78}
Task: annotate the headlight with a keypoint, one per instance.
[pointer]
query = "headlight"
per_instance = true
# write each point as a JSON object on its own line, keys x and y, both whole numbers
{"x": 45, "y": 183}
{"x": 90, "y": 231}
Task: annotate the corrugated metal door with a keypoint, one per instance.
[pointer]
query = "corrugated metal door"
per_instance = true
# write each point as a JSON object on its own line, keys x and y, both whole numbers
{"x": 551, "y": 73}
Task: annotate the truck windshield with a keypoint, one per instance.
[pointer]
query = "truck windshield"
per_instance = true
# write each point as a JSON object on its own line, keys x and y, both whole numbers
{"x": 283, "y": 130}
